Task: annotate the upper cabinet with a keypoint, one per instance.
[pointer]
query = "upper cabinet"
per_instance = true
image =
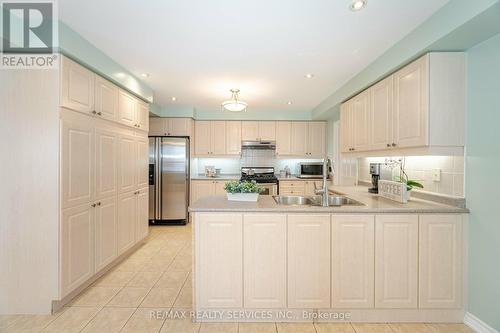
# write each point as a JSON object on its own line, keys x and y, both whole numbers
{"x": 86, "y": 92}
{"x": 170, "y": 126}
{"x": 233, "y": 137}
{"x": 258, "y": 130}
{"x": 420, "y": 106}
{"x": 301, "y": 138}
{"x": 210, "y": 138}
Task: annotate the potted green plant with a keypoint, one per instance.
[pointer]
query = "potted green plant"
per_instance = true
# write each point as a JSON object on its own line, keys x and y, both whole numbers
{"x": 410, "y": 183}
{"x": 242, "y": 191}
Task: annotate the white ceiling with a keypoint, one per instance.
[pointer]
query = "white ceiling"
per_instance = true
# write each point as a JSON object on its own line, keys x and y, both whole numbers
{"x": 198, "y": 50}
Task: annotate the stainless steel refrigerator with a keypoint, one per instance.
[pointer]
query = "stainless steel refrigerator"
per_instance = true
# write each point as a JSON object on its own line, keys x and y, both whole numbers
{"x": 168, "y": 180}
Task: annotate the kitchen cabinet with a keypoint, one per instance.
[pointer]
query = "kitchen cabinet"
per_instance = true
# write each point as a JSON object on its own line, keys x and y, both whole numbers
{"x": 106, "y": 227}
{"x": 264, "y": 260}
{"x": 233, "y": 137}
{"x": 210, "y": 138}
{"x": 206, "y": 188}
{"x": 77, "y": 87}
{"x": 258, "y": 130}
{"x": 76, "y": 247}
{"x": 142, "y": 220}
{"x": 353, "y": 261}
{"x": 142, "y": 116}
{"x": 283, "y": 138}
{"x": 126, "y": 108}
{"x": 170, "y": 126}
{"x": 106, "y": 99}
{"x": 301, "y": 138}
{"x": 396, "y": 261}
{"x": 106, "y": 157}
{"x": 292, "y": 187}
{"x": 311, "y": 185}
{"x": 142, "y": 161}
{"x": 422, "y": 105}
{"x": 127, "y": 164}
{"x": 308, "y": 261}
{"x": 220, "y": 249}
{"x": 316, "y": 139}
{"x": 127, "y": 215}
{"x": 440, "y": 261}
{"x": 77, "y": 159}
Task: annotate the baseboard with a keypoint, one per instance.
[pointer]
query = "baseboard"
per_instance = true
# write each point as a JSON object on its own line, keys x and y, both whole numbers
{"x": 477, "y": 324}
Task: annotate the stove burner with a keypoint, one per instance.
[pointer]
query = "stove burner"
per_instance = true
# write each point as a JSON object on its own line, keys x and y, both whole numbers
{"x": 258, "y": 174}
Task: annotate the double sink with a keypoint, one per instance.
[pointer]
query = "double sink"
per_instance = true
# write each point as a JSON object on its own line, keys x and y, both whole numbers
{"x": 333, "y": 200}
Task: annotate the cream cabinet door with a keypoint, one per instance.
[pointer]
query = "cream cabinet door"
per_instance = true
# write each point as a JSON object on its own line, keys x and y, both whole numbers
{"x": 310, "y": 186}
{"x": 411, "y": 104}
{"x": 106, "y": 224}
{"x": 202, "y": 138}
{"x": 179, "y": 126}
{"x": 353, "y": 261}
{"x": 361, "y": 121}
{"x": 77, "y": 158}
{"x": 396, "y": 261}
{"x": 127, "y": 109}
{"x": 158, "y": 126}
{"x": 249, "y": 130}
{"x": 308, "y": 261}
{"x": 76, "y": 247}
{"x": 106, "y": 99}
{"x": 219, "y": 187}
{"x": 381, "y": 114}
{"x": 264, "y": 260}
{"x": 283, "y": 138}
{"x": 77, "y": 87}
{"x": 267, "y": 130}
{"x": 299, "y": 138}
{"x": 127, "y": 217}
{"x": 220, "y": 260}
{"x": 233, "y": 137}
{"x": 142, "y": 162}
{"x": 106, "y": 160}
{"x": 142, "y": 222}
{"x": 440, "y": 261}
{"x": 201, "y": 188}
{"x": 346, "y": 127}
{"x": 316, "y": 139}
{"x": 218, "y": 138}
{"x": 142, "y": 116}
{"x": 127, "y": 163}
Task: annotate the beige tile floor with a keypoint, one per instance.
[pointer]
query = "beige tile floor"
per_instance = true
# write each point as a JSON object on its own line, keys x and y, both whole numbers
{"x": 135, "y": 296}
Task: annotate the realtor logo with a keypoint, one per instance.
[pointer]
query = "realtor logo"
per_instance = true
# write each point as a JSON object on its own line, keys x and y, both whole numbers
{"x": 28, "y": 29}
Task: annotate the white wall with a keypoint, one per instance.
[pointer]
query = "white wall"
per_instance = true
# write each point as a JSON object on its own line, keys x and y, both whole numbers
{"x": 29, "y": 197}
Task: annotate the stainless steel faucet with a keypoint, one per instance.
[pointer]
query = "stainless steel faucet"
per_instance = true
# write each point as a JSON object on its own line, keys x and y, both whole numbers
{"x": 324, "y": 190}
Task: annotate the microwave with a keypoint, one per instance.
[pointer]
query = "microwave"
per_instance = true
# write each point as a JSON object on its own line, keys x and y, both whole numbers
{"x": 310, "y": 170}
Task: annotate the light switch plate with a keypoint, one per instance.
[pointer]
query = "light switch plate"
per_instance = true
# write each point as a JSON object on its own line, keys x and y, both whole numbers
{"x": 436, "y": 175}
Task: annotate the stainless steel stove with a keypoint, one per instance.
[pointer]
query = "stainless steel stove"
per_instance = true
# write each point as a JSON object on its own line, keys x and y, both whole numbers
{"x": 264, "y": 176}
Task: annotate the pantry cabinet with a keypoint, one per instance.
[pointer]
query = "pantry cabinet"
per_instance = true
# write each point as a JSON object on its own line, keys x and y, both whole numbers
{"x": 396, "y": 261}
{"x": 142, "y": 219}
{"x": 308, "y": 261}
{"x": 353, "y": 257}
{"x": 142, "y": 161}
{"x": 142, "y": 116}
{"x": 422, "y": 105}
{"x": 106, "y": 157}
{"x": 264, "y": 259}
{"x": 127, "y": 164}
{"x": 258, "y": 130}
{"x": 170, "y": 126}
{"x": 127, "y": 210}
{"x": 106, "y": 228}
{"x": 106, "y": 99}
{"x": 127, "y": 109}
{"x": 77, "y": 87}
{"x": 220, "y": 248}
{"x": 440, "y": 261}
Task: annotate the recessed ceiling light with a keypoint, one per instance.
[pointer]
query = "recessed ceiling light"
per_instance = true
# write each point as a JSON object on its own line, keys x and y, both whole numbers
{"x": 309, "y": 76}
{"x": 357, "y": 5}
{"x": 146, "y": 75}
{"x": 289, "y": 102}
{"x": 173, "y": 98}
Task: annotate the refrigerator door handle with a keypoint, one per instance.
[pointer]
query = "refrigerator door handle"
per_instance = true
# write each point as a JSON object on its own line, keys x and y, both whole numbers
{"x": 158, "y": 166}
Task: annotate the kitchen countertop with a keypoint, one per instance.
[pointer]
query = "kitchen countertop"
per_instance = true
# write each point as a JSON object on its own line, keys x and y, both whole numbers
{"x": 373, "y": 204}
{"x": 229, "y": 176}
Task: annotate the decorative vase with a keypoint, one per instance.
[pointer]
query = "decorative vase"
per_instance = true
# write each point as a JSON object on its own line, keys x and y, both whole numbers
{"x": 243, "y": 197}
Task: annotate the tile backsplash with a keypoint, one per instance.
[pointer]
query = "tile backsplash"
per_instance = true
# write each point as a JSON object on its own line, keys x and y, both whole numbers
{"x": 422, "y": 169}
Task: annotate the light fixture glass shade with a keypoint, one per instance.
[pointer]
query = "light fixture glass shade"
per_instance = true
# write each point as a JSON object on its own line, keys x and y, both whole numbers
{"x": 234, "y": 104}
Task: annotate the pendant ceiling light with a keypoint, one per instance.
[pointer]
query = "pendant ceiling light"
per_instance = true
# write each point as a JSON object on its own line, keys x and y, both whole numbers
{"x": 234, "y": 104}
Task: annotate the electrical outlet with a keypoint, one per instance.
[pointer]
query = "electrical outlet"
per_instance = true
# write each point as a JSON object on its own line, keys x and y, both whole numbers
{"x": 436, "y": 175}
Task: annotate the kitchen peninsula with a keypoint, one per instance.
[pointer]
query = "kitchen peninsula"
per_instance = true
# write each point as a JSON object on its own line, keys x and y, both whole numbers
{"x": 376, "y": 262}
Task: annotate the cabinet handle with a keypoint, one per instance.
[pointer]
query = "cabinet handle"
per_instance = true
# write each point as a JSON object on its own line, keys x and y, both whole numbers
{"x": 388, "y": 145}
{"x": 99, "y": 203}
{"x": 99, "y": 113}
{"x": 139, "y": 126}
{"x": 93, "y": 205}
{"x": 94, "y": 112}
{"x": 394, "y": 145}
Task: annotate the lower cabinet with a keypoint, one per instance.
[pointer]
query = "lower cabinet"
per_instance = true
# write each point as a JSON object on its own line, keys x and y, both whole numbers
{"x": 219, "y": 251}
{"x": 308, "y": 261}
{"x": 105, "y": 232}
{"x": 133, "y": 220}
{"x": 264, "y": 260}
{"x": 440, "y": 261}
{"x": 77, "y": 247}
{"x": 206, "y": 188}
{"x": 353, "y": 261}
{"x": 396, "y": 261}
{"x": 142, "y": 221}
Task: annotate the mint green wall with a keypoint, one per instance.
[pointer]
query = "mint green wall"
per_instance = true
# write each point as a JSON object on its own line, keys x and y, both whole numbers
{"x": 450, "y": 28}
{"x": 79, "y": 49}
{"x": 482, "y": 184}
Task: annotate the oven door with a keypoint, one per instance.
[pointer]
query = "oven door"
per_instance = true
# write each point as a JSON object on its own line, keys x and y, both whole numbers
{"x": 268, "y": 189}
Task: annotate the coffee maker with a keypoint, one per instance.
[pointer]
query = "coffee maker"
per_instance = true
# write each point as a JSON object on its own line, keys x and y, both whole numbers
{"x": 375, "y": 173}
